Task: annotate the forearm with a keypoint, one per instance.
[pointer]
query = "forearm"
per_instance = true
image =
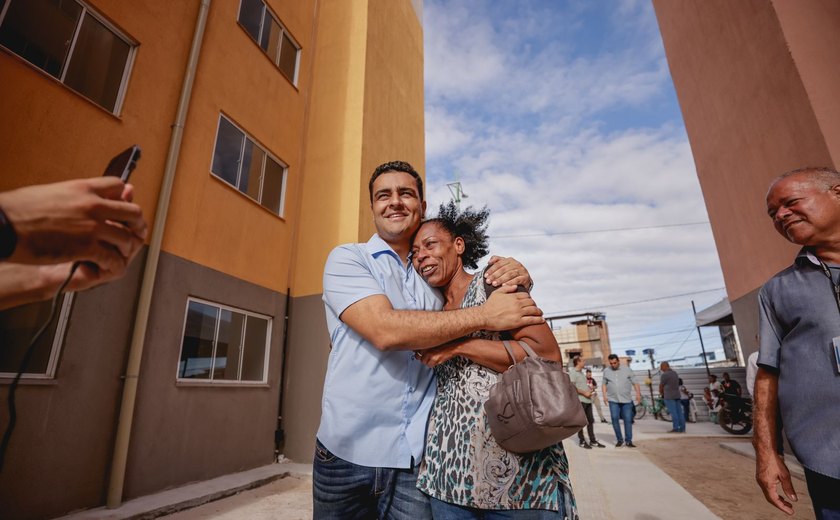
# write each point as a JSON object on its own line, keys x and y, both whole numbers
{"x": 765, "y": 404}
{"x": 418, "y": 330}
{"x": 21, "y": 284}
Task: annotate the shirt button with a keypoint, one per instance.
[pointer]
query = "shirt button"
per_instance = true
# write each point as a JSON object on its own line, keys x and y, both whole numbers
{"x": 410, "y": 388}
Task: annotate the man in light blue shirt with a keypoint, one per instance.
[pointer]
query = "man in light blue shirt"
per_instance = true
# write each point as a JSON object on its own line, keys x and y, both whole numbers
{"x": 377, "y": 396}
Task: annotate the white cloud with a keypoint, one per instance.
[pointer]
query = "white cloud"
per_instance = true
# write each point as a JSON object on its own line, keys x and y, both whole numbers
{"x": 537, "y": 125}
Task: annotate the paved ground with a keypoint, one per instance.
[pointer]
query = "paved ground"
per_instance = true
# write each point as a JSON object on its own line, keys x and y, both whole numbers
{"x": 638, "y": 489}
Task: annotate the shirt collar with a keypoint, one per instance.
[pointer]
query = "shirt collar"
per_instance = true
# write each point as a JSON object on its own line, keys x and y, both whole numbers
{"x": 376, "y": 246}
{"x": 807, "y": 255}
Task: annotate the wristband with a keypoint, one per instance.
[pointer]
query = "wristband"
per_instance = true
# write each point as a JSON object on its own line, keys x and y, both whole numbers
{"x": 8, "y": 237}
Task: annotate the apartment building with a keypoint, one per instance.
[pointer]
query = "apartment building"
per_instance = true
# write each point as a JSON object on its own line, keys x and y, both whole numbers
{"x": 757, "y": 84}
{"x": 259, "y": 122}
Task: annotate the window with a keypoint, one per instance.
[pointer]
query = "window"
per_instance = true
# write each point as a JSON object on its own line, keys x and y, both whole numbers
{"x": 243, "y": 164}
{"x": 269, "y": 33}
{"x": 65, "y": 39}
{"x": 17, "y": 327}
{"x": 222, "y": 344}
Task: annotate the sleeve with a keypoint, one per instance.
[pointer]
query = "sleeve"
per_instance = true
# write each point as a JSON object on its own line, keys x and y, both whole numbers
{"x": 769, "y": 333}
{"x": 348, "y": 279}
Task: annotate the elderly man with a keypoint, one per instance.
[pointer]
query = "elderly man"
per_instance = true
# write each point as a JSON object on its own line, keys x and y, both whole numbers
{"x": 799, "y": 331}
{"x": 377, "y": 396}
{"x": 618, "y": 383}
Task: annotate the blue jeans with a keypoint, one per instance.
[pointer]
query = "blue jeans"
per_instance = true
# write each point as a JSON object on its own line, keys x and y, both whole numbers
{"x": 445, "y": 511}
{"x": 823, "y": 492}
{"x": 625, "y": 411}
{"x": 675, "y": 408}
{"x": 343, "y": 490}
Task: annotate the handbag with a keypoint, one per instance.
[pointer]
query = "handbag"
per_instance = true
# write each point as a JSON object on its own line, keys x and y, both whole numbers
{"x": 533, "y": 405}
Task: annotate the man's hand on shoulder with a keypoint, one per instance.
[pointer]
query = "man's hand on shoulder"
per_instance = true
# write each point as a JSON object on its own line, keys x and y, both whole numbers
{"x": 507, "y": 310}
{"x": 507, "y": 271}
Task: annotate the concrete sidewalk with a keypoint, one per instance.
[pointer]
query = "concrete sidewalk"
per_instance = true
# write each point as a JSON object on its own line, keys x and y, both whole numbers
{"x": 622, "y": 483}
{"x": 609, "y": 483}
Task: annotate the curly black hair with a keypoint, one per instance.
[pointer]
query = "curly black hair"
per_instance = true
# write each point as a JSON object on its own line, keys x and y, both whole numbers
{"x": 469, "y": 224}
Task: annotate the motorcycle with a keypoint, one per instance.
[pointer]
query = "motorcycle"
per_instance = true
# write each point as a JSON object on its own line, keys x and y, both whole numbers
{"x": 735, "y": 414}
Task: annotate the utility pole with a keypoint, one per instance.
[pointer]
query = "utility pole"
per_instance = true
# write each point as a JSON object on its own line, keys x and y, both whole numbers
{"x": 457, "y": 192}
{"x": 702, "y": 347}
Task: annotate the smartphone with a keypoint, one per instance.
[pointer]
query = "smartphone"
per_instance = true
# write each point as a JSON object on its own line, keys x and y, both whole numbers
{"x": 124, "y": 163}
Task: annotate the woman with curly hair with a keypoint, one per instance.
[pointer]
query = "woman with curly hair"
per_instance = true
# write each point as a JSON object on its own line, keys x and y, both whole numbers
{"x": 464, "y": 471}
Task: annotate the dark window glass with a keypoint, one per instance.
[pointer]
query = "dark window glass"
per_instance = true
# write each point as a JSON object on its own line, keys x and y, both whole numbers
{"x": 226, "y": 155}
{"x": 270, "y": 41}
{"x": 272, "y": 193}
{"x": 288, "y": 58}
{"x": 40, "y": 31}
{"x": 253, "y": 355}
{"x": 98, "y": 63}
{"x": 226, "y": 364}
{"x": 250, "y": 16}
{"x": 252, "y": 163}
{"x": 197, "y": 350}
{"x": 17, "y": 327}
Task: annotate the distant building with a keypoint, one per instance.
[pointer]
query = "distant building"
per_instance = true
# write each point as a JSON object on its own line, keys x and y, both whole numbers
{"x": 588, "y": 338}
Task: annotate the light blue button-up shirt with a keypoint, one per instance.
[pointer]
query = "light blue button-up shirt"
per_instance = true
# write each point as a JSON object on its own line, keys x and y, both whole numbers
{"x": 376, "y": 404}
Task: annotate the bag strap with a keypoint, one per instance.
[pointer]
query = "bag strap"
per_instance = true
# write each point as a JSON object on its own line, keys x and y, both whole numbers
{"x": 528, "y": 350}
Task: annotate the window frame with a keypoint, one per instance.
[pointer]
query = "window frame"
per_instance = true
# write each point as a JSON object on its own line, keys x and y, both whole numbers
{"x": 185, "y": 381}
{"x": 86, "y": 11}
{"x": 283, "y": 31}
{"x": 267, "y": 154}
{"x": 57, "y": 344}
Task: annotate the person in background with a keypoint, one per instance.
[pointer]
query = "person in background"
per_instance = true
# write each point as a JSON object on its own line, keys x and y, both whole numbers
{"x": 730, "y": 386}
{"x": 585, "y": 396}
{"x": 593, "y": 385}
{"x": 618, "y": 383}
{"x": 669, "y": 389}
{"x": 685, "y": 400}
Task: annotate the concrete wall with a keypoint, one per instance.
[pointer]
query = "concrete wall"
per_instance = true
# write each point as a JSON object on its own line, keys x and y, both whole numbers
{"x": 185, "y": 432}
{"x": 756, "y": 82}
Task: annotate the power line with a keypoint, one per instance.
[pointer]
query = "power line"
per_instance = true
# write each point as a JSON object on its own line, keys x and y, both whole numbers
{"x": 611, "y": 230}
{"x": 637, "y": 301}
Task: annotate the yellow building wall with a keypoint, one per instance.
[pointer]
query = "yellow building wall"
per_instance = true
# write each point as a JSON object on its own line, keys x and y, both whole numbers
{"x": 50, "y": 133}
{"x": 211, "y": 222}
{"x": 366, "y": 109}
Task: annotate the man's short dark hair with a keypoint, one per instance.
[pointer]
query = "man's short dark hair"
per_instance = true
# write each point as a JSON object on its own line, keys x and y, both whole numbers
{"x": 612, "y": 356}
{"x": 396, "y": 166}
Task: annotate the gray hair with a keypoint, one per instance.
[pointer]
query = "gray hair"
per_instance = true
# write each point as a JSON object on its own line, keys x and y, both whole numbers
{"x": 822, "y": 176}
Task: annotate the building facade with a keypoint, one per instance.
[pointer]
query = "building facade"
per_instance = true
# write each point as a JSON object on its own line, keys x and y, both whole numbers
{"x": 589, "y": 338}
{"x": 260, "y": 122}
{"x": 757, "y": 84}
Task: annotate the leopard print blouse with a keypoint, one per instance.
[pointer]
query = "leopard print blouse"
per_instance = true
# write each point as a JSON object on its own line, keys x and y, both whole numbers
{"x": 464, "y": 465}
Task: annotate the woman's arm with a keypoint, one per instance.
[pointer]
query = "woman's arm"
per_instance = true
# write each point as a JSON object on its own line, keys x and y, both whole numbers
{"x": 491, "y": 353}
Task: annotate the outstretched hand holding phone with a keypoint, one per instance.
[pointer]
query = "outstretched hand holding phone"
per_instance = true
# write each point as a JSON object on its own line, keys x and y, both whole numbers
{"x": 92, "y": 221}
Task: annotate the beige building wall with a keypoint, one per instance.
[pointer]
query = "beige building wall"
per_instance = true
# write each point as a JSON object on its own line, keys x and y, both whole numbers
{"x": 367, "y": 96}
{"x": 756, "y": 81}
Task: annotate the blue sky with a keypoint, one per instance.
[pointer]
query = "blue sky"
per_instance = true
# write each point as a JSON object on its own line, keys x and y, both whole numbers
{"x": 561, "y": 117}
